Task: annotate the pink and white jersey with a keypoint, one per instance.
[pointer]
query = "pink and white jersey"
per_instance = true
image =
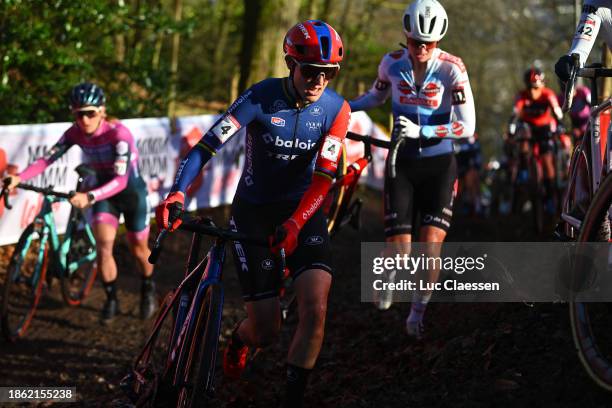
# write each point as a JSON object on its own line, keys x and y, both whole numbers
{"x": 442, "y": 105}
{"x": 596, "y": 16}
{"x": 110, "y": 151}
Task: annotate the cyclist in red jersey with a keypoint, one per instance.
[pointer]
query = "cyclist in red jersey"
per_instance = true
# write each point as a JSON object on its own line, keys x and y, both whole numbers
{"x": 538, "y": 107}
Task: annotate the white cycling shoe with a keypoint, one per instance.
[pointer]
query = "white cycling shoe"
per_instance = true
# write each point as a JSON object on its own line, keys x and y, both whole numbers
{"x": 415, "y": 329}
{"x": 383, "y": 299}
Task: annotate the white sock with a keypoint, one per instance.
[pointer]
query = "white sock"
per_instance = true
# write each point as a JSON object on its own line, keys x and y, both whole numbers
{"x": 417, "y": 308}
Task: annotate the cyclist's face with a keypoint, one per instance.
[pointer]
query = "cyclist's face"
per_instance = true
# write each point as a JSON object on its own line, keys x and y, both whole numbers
{"x": 421, "y": 51}
{"x": 88, "y": 118}
{"x": 310, "y": 87}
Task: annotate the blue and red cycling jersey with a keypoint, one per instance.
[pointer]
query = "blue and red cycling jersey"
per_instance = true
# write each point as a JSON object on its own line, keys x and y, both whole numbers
{"x": 286, "y": 144}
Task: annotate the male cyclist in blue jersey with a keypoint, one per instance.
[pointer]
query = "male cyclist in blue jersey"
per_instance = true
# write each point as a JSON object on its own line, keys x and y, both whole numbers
{"x": 432, "y": 103}
{"x": 295, "y": 128}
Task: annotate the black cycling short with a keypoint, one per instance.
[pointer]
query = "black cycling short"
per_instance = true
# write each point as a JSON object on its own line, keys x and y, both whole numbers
{"x": 425, "y": 187}
{"x": 543, "y": 136}
{"x": 132, "y": 202}
{"x": 259, "y": 275}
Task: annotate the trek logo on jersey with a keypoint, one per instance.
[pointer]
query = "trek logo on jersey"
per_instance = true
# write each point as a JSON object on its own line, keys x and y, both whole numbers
{"x": 458, "y": 96}
{"x": 405, "y": 88}
{"x": 431, "y": 90}
{"x": 316, "y": 110}
{"x": 441, "y": 131}
{"x": 331, "y": 148}
{"x": 225, "y": 128}
{"x": 457, "y": 128}
{"x": 276, "y": 121}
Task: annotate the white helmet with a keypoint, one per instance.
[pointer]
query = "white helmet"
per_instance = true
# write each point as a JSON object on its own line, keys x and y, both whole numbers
{"x": 425, "y": 20}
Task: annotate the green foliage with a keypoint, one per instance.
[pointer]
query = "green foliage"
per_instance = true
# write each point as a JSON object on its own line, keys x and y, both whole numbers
{"x": 46, "y": 47}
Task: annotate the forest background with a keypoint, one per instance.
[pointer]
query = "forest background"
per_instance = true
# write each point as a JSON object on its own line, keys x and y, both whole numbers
{"x": 175, "y": 57}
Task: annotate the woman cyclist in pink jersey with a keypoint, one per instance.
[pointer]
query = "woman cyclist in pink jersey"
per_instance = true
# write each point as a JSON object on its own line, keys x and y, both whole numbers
{"x": 119, "y": 189}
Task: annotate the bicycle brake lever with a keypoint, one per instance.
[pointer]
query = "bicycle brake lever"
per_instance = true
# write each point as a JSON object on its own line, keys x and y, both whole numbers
{"x": 157, "y": 247}
{"x": 5, "y": 194}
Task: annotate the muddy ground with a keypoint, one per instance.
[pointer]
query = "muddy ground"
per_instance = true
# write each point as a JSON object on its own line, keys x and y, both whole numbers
{"x": 476, "y": 355}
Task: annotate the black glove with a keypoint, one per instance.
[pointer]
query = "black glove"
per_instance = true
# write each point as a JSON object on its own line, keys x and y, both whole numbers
{"x": 563, "y": 67}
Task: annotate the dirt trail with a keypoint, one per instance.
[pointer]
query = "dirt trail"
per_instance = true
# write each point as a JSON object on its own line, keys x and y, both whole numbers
{"x": 477, "y": 355}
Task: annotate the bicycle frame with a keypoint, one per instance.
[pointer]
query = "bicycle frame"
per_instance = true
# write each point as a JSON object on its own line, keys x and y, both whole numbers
{"x": 44, "y": 223}
{"x": 185, "y": 302}
{"x": 349, "y": 181}
{"x": 592, "y": 149}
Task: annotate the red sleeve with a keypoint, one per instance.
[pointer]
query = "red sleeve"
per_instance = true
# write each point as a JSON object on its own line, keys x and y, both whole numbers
{"x": 325, "y": 167}
{"x": 331, "y": 148}
{"x": 552, "y": 99}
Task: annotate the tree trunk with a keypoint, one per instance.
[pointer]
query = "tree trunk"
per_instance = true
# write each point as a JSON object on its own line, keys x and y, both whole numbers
{"x": 176, "y": 38}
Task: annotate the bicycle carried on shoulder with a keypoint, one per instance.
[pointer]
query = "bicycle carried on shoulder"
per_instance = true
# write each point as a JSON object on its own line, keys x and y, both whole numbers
{"x": 177, "y": 363}
{"x": 586, "y": 215}
{"x": 41, "y": 255}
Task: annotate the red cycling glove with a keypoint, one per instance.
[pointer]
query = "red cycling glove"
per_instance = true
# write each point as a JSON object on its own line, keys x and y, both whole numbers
{"x": 285, "y": 236}
{"x": 162, "y": 212}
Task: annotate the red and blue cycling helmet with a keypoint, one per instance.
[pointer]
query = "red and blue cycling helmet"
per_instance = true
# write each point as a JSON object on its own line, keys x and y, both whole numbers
{"x": 314, "y": 42}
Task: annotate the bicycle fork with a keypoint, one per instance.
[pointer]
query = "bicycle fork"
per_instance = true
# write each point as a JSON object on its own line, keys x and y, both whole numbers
{"x": 183, "y": 345}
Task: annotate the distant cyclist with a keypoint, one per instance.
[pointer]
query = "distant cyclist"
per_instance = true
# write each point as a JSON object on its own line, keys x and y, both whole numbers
{"x": 119, "y": 189}
{"x": 432, "y": 103}
{"x": 538, "y": 107}
{"x": 295, "y": 128}
{"x": 579, "y": 112}
{"x": 469, "y": 164}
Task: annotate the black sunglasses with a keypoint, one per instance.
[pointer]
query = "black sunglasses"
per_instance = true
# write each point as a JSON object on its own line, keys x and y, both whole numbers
{"x": 311, "y": 72}
{"x": 88, "y": 113}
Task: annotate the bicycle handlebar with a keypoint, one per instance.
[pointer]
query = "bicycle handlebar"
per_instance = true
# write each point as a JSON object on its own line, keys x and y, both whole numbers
{"x": 570, "y": 85}
{"x": 43, "y": 190}
{"x": 392, "y": 145}
{"x": 385, "y": 144}
{"x": 203, "y": 226}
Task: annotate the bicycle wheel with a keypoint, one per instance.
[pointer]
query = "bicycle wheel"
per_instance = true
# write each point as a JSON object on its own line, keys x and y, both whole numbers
{"x": 590, "y": 322}
{"x": 81, "y": 267}
{"x": 200, "y": 369}
{"x": 149, "y": 383}
{"x": 23, "y": 284}
{"x": 536, "y": 195}
{"x": 333, "y": 200}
